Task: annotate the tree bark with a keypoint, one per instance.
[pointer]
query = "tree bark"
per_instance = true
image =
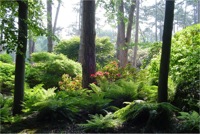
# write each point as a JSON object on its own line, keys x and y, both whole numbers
{"x": 88, "y": 40}
{"x": 165, "y": 55}
{"x": 121, "y": 36}
{"x": 49, "y": 26}
{"x": 20, "y": 57}
{"x": 199, "y": 11}
{"x": 80, "y": 55}
{"x": 156, "y": 30}
{"x": 56, "y": 17}
{"x": 129, "y": 28}
{"x": 136, "y": 34}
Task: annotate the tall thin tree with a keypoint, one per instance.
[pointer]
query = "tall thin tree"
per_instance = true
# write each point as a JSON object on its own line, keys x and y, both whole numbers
{"x": 166, "y": 48}
{"x": 136, "y": 34}
{"x": 88, "y": 39}
{"x": 49, "y": 26}
{"x": 20, "y": 57}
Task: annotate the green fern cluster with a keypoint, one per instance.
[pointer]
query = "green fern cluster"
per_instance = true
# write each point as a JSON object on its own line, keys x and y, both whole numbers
{"x": 100, "y": 123}
{"x": 189, "y": 122}
{"x": 35, "y": 95}
{"x": 5, "y": 110}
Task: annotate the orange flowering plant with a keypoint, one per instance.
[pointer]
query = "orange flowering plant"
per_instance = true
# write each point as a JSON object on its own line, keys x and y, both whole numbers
{"x": 68, "y": 83}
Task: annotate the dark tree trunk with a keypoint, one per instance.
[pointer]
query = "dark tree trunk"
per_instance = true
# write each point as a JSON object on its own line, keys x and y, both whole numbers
{"x": 20, "y": 58}
{"x": 165, "y": 55}
{"x": 136, "y": 34}
{"x": 88, "y": 40}
{"x": 49, "y": 26}
{"x": 121, "y": 36}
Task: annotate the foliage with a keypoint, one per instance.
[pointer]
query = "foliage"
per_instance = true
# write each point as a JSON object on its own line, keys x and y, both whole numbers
{"x": 69, "y": 48}
{"x": 185, "y": 66}
{"x": 8, "y": 16}
{"x": 121, "y": 91}
{"x": 100, "y": 123}
{"x": 6, "y": 77}
{"x": 34, "y": 95}
{"x": 104, "y": 49}
{"x": 112, "y": 72}
{"x": 68, "y": 83}
{"x": 150, "y": 116}
{"x": 5, "y": 110}
{"x": 189, "y": 122}
{"x": 6, "y": 58}
{"x": 185, "y": 55}
{"x": 48, "y": 69}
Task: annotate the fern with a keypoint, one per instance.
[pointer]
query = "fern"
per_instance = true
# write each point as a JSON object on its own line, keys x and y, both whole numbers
{"x": 100, "y": 123}
{"x": 189, "y": 121}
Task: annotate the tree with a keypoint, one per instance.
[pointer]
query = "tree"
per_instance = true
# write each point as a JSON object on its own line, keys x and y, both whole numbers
{"x": 124, "y": 39}
{"x": 88, "y": 40}
{"x": 20, "y": 57}
{"x": 165, "y": 55}
{"x": 136, "y": 34}
{"x": 49, "y": 26}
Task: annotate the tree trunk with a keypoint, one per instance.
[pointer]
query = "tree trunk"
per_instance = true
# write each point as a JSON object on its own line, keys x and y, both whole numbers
{"x": 136, "y": 34}
{"x": 121, "y": 52}
{"x": 56, "y": 17}
{"x": 88, "y": 40}
{"x": 80, "y": 55}
{"x": 129, "y": 28}
{"x": 199, "y": 11}
{"x": 156, "y": 30}
{"x": 165, "y": 55}
{"x": 31, "y": 47}
{"x": 20, "y": 58}
{"x": 49, "y": 26}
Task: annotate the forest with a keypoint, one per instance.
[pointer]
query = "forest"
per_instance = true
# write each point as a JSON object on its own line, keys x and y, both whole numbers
{"x": 106, "y": 66}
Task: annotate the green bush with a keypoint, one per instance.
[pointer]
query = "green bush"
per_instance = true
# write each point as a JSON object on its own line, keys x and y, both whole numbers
{"x": 104, "y": 50}
{"x": 6, "y": 58}
{"x": 185, "y": 66}
{"x": 48, "y": 69}
{"x": 185, "y": 62}
{"x": 69, "y": 48}
{"x": 6, "y": 77}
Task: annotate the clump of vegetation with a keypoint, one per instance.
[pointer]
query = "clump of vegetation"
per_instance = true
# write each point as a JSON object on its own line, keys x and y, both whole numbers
{"x": 6, "y": 77}
{"x": 104, "y": 50}
{"x": 185, "y": 67}
{"x": 189, "y": 122}
{"x": 48, "y": 68}
{"x": 6, "y": 58}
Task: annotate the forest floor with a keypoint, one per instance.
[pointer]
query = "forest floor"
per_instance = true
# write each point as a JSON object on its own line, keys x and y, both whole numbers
{"x": 32, "y": 125}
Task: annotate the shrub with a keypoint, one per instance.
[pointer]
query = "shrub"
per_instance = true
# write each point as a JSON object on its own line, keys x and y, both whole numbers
{"x": 69, "y": 48}
{"x": 104, "y": 50}
{"x": 49, "y": 68}
{"x": 68, "y": 83}
{"x": 6, "y": 77}
{"x": 6, "y": 58}
{"x": 185, "y": 66}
